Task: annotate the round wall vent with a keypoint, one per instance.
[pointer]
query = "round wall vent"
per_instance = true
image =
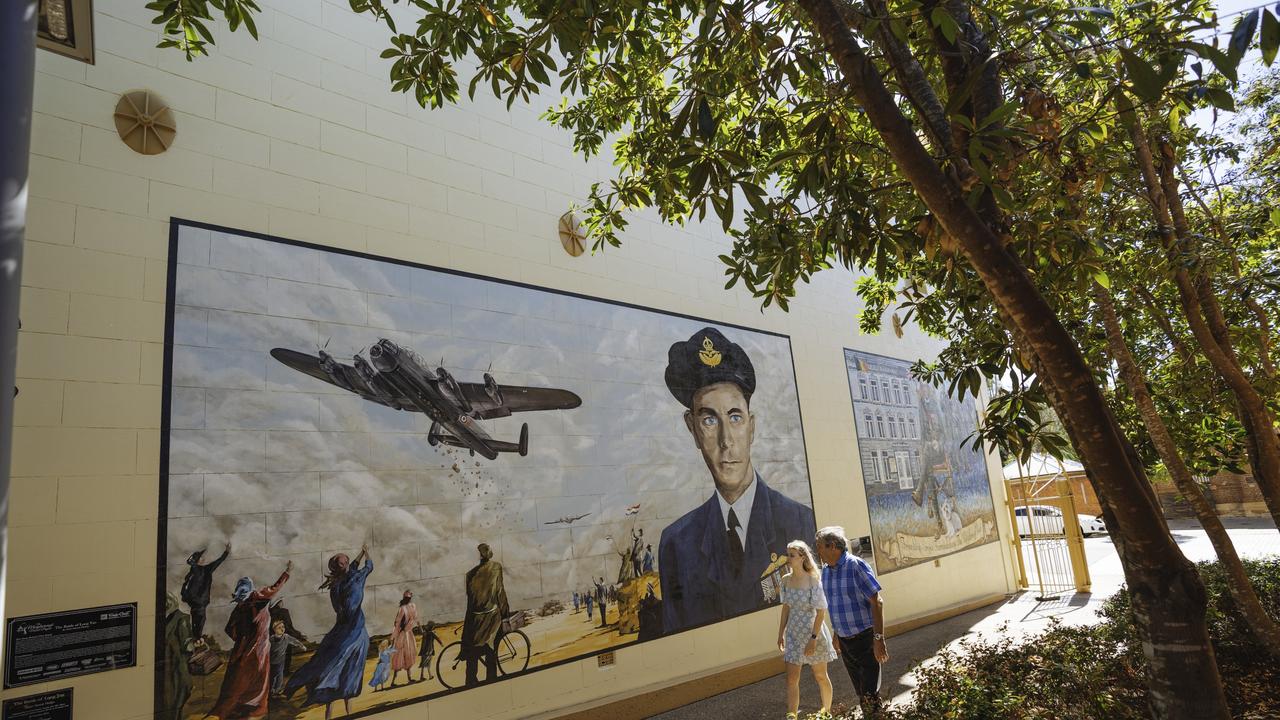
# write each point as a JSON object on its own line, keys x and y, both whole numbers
{"x": 145, "y": 122}
{"x": 571, "y": 235}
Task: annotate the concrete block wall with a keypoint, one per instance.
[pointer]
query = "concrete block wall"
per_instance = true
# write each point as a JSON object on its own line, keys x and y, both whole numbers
{"x": 299, "y": 136}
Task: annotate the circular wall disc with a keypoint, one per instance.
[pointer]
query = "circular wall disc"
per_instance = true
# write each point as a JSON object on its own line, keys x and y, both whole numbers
{"x": 145, "y": 122}
{"x": 571, "y": 235}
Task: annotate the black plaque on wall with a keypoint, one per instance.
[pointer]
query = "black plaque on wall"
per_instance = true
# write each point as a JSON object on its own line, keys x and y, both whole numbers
{"x": 46, "y": 647}
{"x": 53, "y": 705}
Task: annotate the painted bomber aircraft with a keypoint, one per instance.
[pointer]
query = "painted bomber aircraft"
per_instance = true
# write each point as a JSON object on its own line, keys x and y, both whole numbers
{"x": 397, "y": 377}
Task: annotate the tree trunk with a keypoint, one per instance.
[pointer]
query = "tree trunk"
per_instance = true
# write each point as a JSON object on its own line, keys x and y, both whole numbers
{"x": 1264, "y": 321}
{"x": 1160, "y": 318}
{"x": 1168, "y": 599}
{"x": 1242, "y": 591}
{"x": 1204, "y": 317}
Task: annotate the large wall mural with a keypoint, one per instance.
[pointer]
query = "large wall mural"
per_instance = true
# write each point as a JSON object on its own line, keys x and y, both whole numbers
{"x": 383, "y": 482}
{"x": 926, "y": 495}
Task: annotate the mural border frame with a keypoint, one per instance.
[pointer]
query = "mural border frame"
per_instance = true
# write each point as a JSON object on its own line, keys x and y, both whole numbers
{"x": 875, "y": 551}
{"x": 166, "y": 398}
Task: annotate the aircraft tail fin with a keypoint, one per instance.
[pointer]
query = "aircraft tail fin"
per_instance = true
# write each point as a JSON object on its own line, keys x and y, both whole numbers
{"x": 521, "y": 447}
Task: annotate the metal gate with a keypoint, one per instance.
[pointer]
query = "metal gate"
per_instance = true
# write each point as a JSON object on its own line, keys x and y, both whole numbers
{"x": 1047, "y": 540}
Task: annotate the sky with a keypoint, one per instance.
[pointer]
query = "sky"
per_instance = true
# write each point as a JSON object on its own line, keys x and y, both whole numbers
{"x": 1250, "y": 67}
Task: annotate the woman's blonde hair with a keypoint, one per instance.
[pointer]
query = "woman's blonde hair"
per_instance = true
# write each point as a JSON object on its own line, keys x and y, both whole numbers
{"x": 810, "y": 566}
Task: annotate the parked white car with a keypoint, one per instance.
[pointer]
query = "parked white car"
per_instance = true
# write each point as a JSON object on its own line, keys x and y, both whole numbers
{"x": 1047, "y": 520}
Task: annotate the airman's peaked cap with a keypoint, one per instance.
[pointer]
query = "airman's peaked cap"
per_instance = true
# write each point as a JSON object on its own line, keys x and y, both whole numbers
{"x": 705, "y": 359}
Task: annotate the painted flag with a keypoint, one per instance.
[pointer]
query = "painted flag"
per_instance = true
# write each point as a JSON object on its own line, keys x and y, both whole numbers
{"x": 633, "y": 509}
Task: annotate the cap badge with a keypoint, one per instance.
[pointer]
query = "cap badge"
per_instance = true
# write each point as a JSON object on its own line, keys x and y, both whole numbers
{"x": 709, "y": 355}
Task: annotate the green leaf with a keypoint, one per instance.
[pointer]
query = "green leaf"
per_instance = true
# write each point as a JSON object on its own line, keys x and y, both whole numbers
{"x": 946, "y": 24}
{"x": 706, "y": 123}
{"x": 781, "y": 158}
{"x": 1222, "y": 61}
{"x": 250, "y": 25}
{"x": 1145, "y": 79}
{"x": 1270, "y": 37}
{"x": 755, "y": 197}
{"x": 1220, "y": 99}
{"x": 1087, "y": 27}
{"x": 204, "y": 31}
{"x": 1000, "y": 114}
{"x": 1242, "y": 35}
{"x": 1102, "y": 279}
{"x": 698, "y": 177}
{"x": 539, "y": 73}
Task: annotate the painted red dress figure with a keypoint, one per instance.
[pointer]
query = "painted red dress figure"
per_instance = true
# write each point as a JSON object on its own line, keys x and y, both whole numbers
{"x": 406, "y": 646}
{"x": 247, "y": 684}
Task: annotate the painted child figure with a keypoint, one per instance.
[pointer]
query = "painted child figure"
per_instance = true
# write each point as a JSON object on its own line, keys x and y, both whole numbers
{"x": 427, "y": 651}
{"x": 280, "y": 644}
{"x": 382, "y": 673}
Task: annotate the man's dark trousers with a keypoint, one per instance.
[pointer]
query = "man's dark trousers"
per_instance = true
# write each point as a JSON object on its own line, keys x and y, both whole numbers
{"x": 197, "y": 621}
{"x": 858, "y": 654}
{"x": 490, "y": 655}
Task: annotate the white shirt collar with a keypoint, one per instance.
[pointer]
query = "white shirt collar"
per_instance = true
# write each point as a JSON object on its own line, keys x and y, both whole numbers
{"x": 741, "y": 508}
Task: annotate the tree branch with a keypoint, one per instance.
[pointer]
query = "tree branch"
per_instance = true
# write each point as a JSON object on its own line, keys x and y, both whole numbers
{"x": 915, "y": 83}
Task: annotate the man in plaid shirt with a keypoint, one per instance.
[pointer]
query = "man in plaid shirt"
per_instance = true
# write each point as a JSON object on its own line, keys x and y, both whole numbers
{"x": 857, "y": 614}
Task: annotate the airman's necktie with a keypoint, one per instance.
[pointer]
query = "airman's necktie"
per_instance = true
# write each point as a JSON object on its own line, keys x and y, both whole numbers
{"x": 735, "y": 544}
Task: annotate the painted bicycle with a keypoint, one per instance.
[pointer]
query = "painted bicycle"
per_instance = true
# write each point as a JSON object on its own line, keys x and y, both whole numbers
{"x": 513, "y": 653}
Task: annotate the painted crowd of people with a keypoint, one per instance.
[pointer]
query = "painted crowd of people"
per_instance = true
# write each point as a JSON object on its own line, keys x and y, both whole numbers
{"x": 263, "y": 641}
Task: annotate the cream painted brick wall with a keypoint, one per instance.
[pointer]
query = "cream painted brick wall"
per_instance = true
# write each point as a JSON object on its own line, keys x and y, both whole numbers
{"x": 56, "y": 451}
{"x": 50, "y": 221}
{"x": 177, "y": 166}
{"x": 98, "y": 316}
{"x": 127, "y": 235}
{"x": 298, "y": 135}
{"x": 111, "y": 405}
{"x": 266, "y": 119}
{"x": 55, "y": 137}
{"x": 65, "y": 357}
{"x": 45, "y": 310}
{"x": 274, "y": 188}
{"x": 39, "y": 402}
{"x": 97, "y": 499}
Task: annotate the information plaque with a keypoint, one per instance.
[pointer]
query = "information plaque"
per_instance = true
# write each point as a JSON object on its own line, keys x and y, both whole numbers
{"x": 53, "y": 705}
{"x": 46, "y": 647}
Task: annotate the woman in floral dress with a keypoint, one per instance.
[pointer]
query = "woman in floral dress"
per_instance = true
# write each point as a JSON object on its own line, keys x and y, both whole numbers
{"x": 803, "y": 637}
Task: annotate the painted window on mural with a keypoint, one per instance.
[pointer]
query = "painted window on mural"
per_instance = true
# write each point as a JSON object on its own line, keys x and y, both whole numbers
{"x": 384, "y": 482}
{"x": 926, "y": 495}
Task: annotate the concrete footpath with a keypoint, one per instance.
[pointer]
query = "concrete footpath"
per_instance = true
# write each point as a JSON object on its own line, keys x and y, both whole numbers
{"x": 1021, "y": 614}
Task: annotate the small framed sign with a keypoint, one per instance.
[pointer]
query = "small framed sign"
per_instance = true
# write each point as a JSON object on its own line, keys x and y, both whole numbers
{"x": 53, "y": 705}
{"x": 39, "y": 648}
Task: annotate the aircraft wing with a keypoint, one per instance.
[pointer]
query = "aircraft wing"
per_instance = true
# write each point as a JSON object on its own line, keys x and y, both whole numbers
{"x": 517, "y": 398}
{"x": 303, "y": 363}
{"x": 345, "y": 377}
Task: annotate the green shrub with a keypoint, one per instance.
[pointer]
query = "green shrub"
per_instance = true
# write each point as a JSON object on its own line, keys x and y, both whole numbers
{"x": 1098, "y": 671}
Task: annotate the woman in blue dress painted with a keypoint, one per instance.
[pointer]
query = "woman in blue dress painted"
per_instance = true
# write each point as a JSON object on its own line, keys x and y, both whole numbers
{"x": 336, "y": 669}
{"x": 803, "y": 638}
